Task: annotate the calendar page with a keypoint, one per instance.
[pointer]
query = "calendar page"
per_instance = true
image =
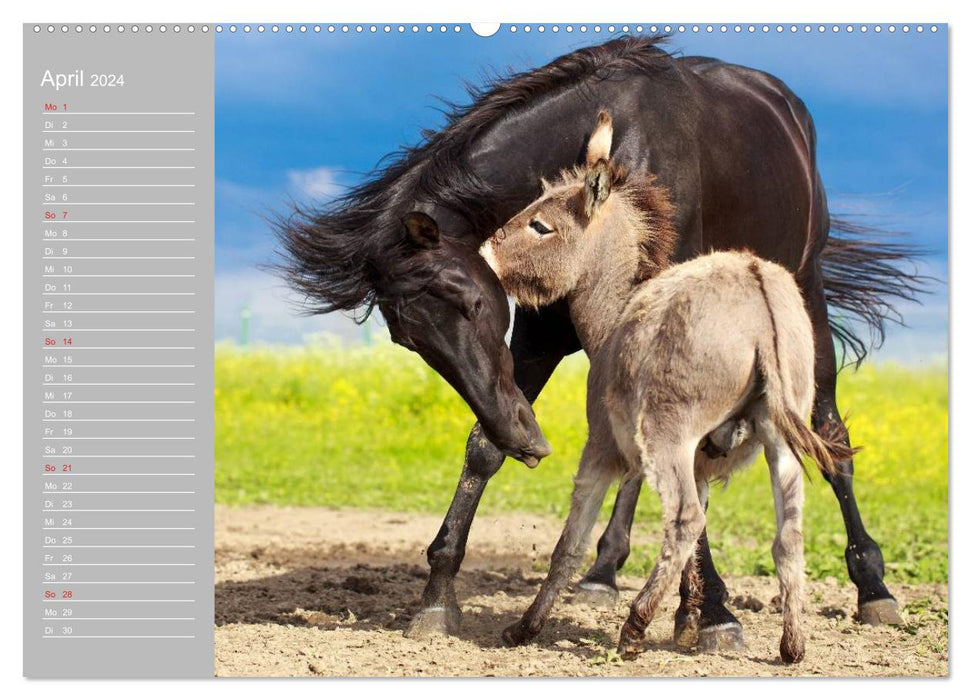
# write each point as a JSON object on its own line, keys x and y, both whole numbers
{"x": 438, "y": 349}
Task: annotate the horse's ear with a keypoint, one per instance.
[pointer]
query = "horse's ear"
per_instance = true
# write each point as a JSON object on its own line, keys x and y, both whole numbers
{"x": 596, "y": 186}
{"x": 421, "y": 229}
{"x": 598, "y": 147}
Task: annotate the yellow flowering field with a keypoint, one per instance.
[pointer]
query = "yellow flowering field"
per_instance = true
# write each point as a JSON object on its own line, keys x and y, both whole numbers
{"x": 374, "y": 427}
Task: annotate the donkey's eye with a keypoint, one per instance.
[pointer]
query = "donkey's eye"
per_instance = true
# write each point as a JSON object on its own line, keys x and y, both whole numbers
{"x": 539, "y": 227}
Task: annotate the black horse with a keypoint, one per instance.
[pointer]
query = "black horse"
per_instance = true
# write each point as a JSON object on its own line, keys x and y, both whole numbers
{"x": 735, "y": 149}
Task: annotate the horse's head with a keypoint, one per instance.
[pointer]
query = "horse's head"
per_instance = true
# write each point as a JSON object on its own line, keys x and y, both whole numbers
{"x": 457, "y": 322}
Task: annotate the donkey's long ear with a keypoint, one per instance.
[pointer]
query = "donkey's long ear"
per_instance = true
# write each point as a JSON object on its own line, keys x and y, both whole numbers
{"x": 598, "y": 147}
{"x": 421, "y": 229}
{"x": 596, "y": 186}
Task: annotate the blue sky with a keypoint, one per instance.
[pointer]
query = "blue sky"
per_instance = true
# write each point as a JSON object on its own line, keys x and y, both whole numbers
{"x": 305, "y": 115}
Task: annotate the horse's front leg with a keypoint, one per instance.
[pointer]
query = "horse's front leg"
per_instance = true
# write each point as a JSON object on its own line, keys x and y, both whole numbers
{"x": 538, "y": 344}
{"x": 599, "y": 585}
{"x": 440, "y": 612}
{"x": 702, "y": 618}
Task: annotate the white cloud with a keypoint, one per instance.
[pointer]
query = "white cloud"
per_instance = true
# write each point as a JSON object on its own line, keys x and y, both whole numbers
{"x": 319, "y": 183}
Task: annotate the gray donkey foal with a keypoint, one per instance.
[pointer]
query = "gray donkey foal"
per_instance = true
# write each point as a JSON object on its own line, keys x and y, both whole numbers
{"x": 718, "y": 349}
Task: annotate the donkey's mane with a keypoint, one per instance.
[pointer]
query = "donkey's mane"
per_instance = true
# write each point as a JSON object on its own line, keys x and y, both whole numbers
{"x": 652, "y": 206}
{"x": 351, "y": 253}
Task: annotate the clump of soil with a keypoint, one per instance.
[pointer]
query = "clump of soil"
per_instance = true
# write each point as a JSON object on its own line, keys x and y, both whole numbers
{"x": 315, "y": 592}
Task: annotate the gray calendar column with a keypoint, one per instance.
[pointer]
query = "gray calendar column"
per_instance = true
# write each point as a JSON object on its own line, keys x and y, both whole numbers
{"x": 118, "y": 351}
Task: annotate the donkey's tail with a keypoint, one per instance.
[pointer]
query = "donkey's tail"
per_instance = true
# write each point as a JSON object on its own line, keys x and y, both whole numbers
{"x": 826, "y": 451}
{"x": 863, "y": 273}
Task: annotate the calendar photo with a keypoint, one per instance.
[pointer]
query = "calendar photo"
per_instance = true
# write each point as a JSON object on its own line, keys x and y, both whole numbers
{"x": 554, "y": 349}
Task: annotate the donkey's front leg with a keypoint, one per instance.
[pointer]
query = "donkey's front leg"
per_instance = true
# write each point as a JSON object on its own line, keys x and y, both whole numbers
{"x": 598, "y": 465}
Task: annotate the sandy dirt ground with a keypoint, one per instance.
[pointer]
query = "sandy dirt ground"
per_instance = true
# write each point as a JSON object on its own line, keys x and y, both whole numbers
{"x": 316, "y": 592}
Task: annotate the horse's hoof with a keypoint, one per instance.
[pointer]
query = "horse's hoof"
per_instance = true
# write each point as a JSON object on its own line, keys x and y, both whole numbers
{"x": 435, "y": 621}
{"x": 596, "y": 595}
{"x": 724, "y": 637}
{"x": 880, "y": 612}
{"x": 516, "y": 635}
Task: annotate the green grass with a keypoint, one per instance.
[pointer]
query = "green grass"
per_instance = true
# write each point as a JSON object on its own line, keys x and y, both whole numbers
{"x": 376, "y": 428}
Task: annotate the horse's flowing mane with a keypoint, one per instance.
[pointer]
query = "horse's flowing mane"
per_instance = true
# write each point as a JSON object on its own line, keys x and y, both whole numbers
{"x": 351, "y": 253}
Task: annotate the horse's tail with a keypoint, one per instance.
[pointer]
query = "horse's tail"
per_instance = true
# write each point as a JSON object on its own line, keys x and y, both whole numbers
{"x": 863, "y": 273}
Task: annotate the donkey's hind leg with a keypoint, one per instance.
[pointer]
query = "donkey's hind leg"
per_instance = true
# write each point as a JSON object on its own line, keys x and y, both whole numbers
{"x": 598, "y": 466}
{"x": 684, "y": 521}
{"x": 787, "y": 550}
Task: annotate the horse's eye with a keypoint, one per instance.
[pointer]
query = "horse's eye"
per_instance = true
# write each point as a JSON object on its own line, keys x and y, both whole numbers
{"x": 539, "y": 227}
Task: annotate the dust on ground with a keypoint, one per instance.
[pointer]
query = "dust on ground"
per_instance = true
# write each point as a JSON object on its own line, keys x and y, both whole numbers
{"x": 317, "y": 592}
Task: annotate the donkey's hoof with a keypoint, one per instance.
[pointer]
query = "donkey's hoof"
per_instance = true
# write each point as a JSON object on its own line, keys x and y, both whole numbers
{"x": 517, "y": 634}
{"x": 792, "y": 649}
{"x": 632, "y": 643}
{"x": 685, "y": 630}
{"x": 724, "y": 637}
{"x": 880, "y": 612}
{"x": 435, "y": 621}
{"x": 596, "y": 595}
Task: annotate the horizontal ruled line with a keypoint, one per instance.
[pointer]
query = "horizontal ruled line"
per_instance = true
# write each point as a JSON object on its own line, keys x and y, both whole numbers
{"x": 119, "y": 636}
{"x": 128, "y": 185}
{"x": 116, "y": 221}
{"x": 116, "y": 437}
{"x": 118, "y": 167}
{"x": 119, "y": 546}
{"x": 56, "y": 150}
{"x": 117, "y": 131}
{"x": 119, "y": 420}
{"x": 66, "y": 601}
{"x": 72, "y": 565}
{"x": 119, "y": 330}
{"x": 117, "y": 257}
{"x": 119, "y": 294}
{"x": 119, "y": 204}
{"x": 120, "y": 528}
{"x": 117, "y": 240}
{"x": 122, "y": 311}
{"x": 116, "y": 510}
{"x": 66, "y": 113}
{"x": 119, "y": 384}
{"x": 71, "y": 475}
{"x": 73, "y": 275}
{"x": 69, "y": 366}
{"x": 121, "y": 456}
{"x": 117, "y": 619}
{"x": 72, "y": 348}
{"x": 149, "y": 402}
{"x": 126, "y": 583}
{"x": 141, "y": 493}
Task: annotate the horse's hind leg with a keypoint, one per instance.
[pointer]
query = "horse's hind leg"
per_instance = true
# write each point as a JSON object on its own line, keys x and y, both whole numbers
{"x": 684, "y": 521}
{"x": 598, "y": 466}
{"x": 787, "y": 550}
{"x": 864, "y": 560}
{"x": 702, "y": 618}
